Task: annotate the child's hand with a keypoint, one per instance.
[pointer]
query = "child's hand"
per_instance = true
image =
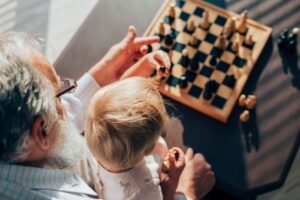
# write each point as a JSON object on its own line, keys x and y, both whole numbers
{"x": 174, "y": 163}
{"x": 146, "y": 65}
{"x": 173, "y": 166}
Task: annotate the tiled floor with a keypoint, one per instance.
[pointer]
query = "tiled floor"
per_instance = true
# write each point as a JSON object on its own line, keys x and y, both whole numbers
{"x": 57, "y": 21}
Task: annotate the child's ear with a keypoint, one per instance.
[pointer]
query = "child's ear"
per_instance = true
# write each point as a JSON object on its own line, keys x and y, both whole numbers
{"x": 39, "y": 134}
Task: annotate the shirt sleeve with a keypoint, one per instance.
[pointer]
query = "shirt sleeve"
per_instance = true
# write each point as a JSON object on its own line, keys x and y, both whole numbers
{"x": 77, "y": 103}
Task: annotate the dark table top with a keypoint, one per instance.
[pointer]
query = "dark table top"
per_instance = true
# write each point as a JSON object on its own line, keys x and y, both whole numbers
{"x": 249, "y": 158}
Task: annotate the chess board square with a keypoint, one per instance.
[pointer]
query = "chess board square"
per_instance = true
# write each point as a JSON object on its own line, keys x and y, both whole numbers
{"x": 190, "y": 76}
{"x": 169, "y": 20}
{"x": 210, "y": 38}
{"x": 240, "y": 62}
{"x": 183, "y": 38}
{"x": 178, "y": 47}
{"x": 215, "y": 29}
{"x": 199, "y": 11}
{"x": 224, "y": 92}
{"x": 228, "y": 57}
{"x": 218, "y": 102}
{"x": 226, "y": 82}
{"x": 206, "y": 71}
{"x": 216, "y": 51}
{"x": 172, "y": 80}
{"x": 165, "y": 49}
{"x": 195, "y": 91}
{"x": 180, "y": 3}
{"x": 218, "y": 76}
{"x": 220, "y": 20}
{"x": 223, "y": 66}
{"x": 174, "y": 33}
{"x": 184, "y": 16}
{"x": 200, "y": 56}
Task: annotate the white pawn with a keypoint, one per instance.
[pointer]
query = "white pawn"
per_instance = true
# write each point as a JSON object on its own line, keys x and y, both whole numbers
{"x": 249, "y": 40}
{"x": 191, "y": 26}
{"x": 243, "y": 22}
{"x": 221, "y": 43}
{"x": 161, "y": 28}
{"x": 235, "y": 45}
{"x": 193, "y": 40}
{"x": 172, "y": 12}
{"x": 205, "y": 21}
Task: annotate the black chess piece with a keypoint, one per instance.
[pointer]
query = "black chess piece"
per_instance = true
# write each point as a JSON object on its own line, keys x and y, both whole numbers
{"x": 207, "y": 95}
{"x": 213, "y": 60}
{"x": 183, "y": 83}
{"x": 185, "y": 61}
{"x": 150, "y": 49}
{"x": 283, "y": 38}
{"x": 194, "y": 64}
{"x": 169, "y": 40}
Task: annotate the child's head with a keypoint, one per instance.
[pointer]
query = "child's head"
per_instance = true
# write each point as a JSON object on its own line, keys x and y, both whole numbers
{"x": 124, "y": 122}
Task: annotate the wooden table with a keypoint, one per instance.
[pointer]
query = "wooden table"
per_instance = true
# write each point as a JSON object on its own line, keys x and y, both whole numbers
{"x": 248, "y": 159}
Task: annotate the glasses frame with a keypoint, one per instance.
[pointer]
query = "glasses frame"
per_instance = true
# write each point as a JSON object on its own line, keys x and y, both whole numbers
{"x": 70, "y": 89}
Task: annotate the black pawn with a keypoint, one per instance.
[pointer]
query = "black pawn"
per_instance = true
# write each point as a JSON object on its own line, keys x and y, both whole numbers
{"x": 150, "y": 49}
{"x": 185, "y": 61}
{"x": 207, "y": 95}
{"x": 183, "y": 83}
{"x": 213, "y": 60}
{"x": 194, "y": 64}
{"x": 169, "y": 40}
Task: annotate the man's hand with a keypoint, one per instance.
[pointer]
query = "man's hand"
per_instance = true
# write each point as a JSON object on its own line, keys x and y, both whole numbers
{"x": 120, "y": 57}
{"x": 197, "y": 178}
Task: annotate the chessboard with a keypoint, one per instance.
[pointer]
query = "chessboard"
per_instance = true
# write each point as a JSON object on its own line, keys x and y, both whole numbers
{"x": 212, "y": 51}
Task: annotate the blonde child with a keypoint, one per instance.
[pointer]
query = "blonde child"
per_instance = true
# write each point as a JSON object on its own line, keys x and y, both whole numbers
{"x": 123, "y": 129}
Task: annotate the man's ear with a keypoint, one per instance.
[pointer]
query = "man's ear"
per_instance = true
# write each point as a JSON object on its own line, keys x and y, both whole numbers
{"x": 39, "y": 134}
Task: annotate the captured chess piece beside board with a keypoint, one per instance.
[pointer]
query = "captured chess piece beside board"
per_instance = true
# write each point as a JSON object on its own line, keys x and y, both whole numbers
{"x": 212, "y": 51}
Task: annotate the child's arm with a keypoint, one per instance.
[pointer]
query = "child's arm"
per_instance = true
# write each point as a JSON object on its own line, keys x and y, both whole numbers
{"x": 146, "y": 65}
{"x": 172, "y": 169}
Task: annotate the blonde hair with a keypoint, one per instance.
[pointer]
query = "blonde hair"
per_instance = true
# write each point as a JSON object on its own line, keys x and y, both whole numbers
{"x": 124, "y": 121}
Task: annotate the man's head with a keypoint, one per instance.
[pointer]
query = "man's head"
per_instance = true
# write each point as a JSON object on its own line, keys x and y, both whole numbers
{"x": 124, "y": 122}
{"x": 34, "y": 129}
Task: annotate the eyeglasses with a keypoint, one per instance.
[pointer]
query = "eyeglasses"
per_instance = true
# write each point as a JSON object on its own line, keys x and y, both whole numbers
{"x": 67, "y": 86}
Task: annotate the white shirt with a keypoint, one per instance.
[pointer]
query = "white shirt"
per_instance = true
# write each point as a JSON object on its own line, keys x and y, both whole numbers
{"x": 141, "y": 182}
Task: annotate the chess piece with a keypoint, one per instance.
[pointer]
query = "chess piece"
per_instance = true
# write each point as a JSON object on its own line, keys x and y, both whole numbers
{"x": 221, "y": 42}
{"x": 213, "y": 60}
{"x": 205, "y": 21}
{"x": 172, "y": 12}
{"x": 193, "y": 40}
{"x": 185, "y": 58}
{"x": 209, "y": 89}
{"x": 161, "y": 28}
{"x": 158, "y": 77}
{"x": 250, "y": 102}
{"x": 169, "y": 40}
{"x": 283, "y": 38}
{"x": 244, "y": 117}
{"x": 183, "y": 83}
{"x": 194, "y": 64}
{"x": 248, "y": 40}
{"x": 242, "y": 27}
{"x": 242, "y": 100}
{"x": 235, "y": 45}
{"x": 230, "y": 27}
{"x": 191, "y": 26}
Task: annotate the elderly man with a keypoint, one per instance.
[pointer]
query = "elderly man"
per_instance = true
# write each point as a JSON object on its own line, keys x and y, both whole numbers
{"x": 37, "y": 138}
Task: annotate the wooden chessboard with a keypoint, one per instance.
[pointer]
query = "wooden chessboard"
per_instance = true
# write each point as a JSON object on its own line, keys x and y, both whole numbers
{"x": 239, "y": 64}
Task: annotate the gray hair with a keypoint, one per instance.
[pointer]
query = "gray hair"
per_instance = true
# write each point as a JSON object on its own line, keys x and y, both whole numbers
{"x": 25, "y": 94}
